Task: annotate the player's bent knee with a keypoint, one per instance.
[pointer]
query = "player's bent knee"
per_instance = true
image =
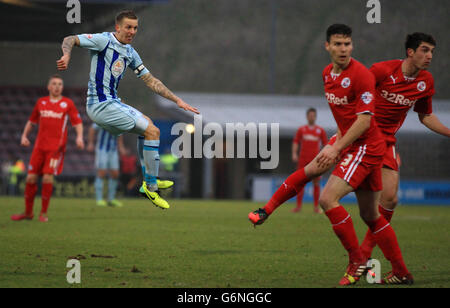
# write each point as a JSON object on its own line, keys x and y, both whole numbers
{"x": 31, "y": 178}
{"x": 393, "y": 202}
{"x": 152, "y": 132}
{"x": 47, "y": 178}
{"x": 390, "y": 202}
{"x": 326, "y": 203}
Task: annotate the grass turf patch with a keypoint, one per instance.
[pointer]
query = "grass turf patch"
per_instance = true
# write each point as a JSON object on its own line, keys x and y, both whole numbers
{"x": 201, "y": 243}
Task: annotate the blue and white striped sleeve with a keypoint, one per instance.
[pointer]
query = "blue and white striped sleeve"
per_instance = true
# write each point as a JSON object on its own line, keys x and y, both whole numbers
{"x": 137, "y": 65}
{"x": 97, "y": 41}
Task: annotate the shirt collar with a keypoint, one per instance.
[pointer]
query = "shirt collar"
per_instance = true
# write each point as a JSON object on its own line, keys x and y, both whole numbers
{"x": 116, "y": 40}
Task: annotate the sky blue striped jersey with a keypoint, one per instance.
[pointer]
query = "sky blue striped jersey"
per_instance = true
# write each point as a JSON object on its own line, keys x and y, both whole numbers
{"x": 106, "y": 141}
{"x": 109, "y": 60}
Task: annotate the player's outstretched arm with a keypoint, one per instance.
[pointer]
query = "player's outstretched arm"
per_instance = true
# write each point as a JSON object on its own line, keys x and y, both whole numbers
{"x": 24, "y": 139}
{"x": 66, "y": 46}
{"x": 158, "y": 87}
{"x": 431, "y": 121}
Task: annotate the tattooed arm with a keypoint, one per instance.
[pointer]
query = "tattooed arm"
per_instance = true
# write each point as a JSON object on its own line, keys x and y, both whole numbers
{"x": 158, "y": 87}
{"x": 67, "y": 45}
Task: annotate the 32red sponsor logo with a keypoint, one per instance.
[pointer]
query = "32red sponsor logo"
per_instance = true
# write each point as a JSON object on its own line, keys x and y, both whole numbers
{"x": 333, "y": 99}
{"x": 51, "y": 114}
{"x": 397, "y": 98}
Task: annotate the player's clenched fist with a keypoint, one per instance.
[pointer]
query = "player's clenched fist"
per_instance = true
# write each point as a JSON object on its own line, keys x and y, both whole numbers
{"x": 80, "y": 143}
{"x": 63, "y": 63}
{"x": 24, "y": 141}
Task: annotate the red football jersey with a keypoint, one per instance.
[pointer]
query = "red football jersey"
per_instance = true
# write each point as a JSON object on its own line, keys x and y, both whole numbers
{"x": 310, "y": 138}
{"x": 396, "y": 94}
{"x": 352, "y": 93}
{"x": 52, "y": 118}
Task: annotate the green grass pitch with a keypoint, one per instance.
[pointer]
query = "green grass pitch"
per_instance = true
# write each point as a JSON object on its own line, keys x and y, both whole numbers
{"x": 200, "y": 243}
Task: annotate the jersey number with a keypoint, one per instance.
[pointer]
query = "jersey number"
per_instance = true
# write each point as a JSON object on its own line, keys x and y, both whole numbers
{"x": 53, "y": 163}
{"x": 347, "y": 161}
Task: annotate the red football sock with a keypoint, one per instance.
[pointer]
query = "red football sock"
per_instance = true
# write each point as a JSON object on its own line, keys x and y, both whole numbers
{"x": 287, "y": 190}
{"x": 387, "y": 241}
{"x": 47, "y": 189}
{"x": 316, "y": 194}
{"x": 30, "y": 193}
{"x": 300, "y": 198}
{"x": 387, "y": 214}
{"x": 369, "y": 242}
{"x": 343, "y": 227}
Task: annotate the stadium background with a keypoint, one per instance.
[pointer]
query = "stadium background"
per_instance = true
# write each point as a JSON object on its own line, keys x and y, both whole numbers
{"x": 246, "y": 60}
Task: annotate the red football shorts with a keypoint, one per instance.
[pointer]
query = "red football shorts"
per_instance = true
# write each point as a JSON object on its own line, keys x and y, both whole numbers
{"x": 46, "y": 162}
{"x": 359, "y": 170}
{"x": 391, "y": 158}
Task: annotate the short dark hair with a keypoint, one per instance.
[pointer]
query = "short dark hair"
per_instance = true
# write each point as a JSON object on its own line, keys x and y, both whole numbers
{"x": 55, "y": 76}
{"x": 414, "y": 40}
{"x": 338, "y": 29}
{"x": 125, "y": 14}
{"x": 311, "y": 110}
